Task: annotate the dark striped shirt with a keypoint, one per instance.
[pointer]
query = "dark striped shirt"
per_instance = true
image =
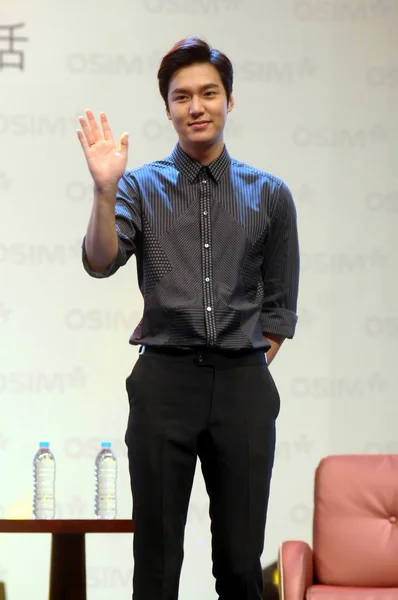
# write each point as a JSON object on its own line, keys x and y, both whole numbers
{"x": 216, "y": 249}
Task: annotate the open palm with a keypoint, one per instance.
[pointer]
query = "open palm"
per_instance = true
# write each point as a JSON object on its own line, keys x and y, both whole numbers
{"x": 106, "y": 161}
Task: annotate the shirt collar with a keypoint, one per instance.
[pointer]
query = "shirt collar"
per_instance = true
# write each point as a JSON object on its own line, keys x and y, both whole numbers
{"x": 191, "y": 168}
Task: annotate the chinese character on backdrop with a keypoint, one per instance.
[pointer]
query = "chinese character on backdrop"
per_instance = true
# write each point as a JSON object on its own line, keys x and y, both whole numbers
{"x": 10, "y": 57}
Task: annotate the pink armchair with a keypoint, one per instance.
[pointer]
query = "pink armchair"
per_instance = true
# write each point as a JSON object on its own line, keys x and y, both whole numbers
{"x": 354, "y": 554}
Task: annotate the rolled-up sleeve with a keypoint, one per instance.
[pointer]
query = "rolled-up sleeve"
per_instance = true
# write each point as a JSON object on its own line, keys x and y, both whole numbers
{"x": 128, "y": 226}
{"x": 281, "y": 268}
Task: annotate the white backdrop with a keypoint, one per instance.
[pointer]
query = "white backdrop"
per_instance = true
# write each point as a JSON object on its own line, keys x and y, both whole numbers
{"x": 316, "y": 96}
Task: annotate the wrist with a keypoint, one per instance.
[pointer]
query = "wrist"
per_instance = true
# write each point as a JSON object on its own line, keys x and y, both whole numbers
{"x": 105, "y": 195}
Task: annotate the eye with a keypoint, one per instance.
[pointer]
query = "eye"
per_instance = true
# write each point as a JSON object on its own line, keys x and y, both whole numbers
{"x": 179, "y": 98}
{"x": 210, "y": 93}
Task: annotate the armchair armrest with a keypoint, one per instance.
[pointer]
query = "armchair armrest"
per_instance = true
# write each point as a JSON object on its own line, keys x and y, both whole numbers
{"x": 295, "y": 566}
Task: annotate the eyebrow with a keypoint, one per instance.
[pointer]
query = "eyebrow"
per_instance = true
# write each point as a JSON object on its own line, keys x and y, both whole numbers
{"x": 203, "y": 88}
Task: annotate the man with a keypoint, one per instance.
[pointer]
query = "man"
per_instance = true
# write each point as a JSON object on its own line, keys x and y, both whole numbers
{"x": 217, "y": 257}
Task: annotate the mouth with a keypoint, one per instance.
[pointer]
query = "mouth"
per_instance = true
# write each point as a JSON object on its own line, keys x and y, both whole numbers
{"x": 198, "y": 125}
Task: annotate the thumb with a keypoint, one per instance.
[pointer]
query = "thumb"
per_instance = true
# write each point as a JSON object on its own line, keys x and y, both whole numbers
{"x": 124, "y": 142}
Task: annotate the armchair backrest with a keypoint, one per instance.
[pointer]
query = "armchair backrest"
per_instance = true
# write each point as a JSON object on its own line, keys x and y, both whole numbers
{"x": 355, "y": 529}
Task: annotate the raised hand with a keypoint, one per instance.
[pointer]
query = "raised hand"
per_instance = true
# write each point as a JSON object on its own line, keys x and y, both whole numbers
{"x": 106, "y": 161}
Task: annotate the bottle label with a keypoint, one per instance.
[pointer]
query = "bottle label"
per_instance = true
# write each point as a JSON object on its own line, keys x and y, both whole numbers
{"x": 106, "y": 490}
{"x": 45, "y": 473}
{"x": 45, "y": 480}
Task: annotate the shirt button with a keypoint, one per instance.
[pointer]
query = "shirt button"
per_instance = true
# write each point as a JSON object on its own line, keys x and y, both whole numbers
{"x": 205, "y": 212}
{"x": 207, "y": 279}
{"x": 204, "y": 181}
{"x": 209, "y": 308}
{"x": 206, "y": 245}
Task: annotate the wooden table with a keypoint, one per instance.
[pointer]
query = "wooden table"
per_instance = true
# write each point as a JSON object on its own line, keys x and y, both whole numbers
{"x": 68, "y": 549}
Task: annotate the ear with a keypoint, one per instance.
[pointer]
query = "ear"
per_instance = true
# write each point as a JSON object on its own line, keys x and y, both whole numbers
{"x": 230, "y": 103}
{"x": 168, "y": 113}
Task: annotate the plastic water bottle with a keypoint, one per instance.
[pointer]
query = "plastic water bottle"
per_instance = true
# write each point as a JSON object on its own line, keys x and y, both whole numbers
{"x": 44, "y": 483}
{"x": 105, "y": 482}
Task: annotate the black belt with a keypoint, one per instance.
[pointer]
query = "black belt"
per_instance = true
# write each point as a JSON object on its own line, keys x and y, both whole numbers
{"x": 186, "y": 351}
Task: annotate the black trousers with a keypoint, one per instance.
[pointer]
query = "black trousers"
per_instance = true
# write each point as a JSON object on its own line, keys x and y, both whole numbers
{"x": 221, "y": 409}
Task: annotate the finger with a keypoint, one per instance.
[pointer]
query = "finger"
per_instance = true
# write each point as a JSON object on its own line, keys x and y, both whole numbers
{"x": 86, "y": 131}
{"x": 95, "y": 130}
{"x": 82, "y": 140}
{"x": 106, "y": 130}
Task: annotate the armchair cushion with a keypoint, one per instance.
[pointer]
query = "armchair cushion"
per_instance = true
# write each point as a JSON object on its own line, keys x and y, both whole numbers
{"x": 329, "y": 592}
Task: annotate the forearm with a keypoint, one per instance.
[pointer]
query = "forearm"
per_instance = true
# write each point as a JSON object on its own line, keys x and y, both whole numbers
{"x": 276, "y": 342}
{"x": 101, "y": 241}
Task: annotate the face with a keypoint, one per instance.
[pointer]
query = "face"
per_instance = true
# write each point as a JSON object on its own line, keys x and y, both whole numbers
{"x": 197, "y": 106}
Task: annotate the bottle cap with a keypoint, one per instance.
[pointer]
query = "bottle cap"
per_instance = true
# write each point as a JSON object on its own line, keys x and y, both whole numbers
{"x": 44, "y": 444}
{"x": 106, "y": 445}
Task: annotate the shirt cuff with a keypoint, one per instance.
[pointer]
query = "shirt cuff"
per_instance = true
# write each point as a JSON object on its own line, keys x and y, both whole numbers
{"x": 111, "y": 269}
{"x": 279, "y": 322}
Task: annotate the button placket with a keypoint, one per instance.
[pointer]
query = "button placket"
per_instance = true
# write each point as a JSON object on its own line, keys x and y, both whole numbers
{"x": 207, "y": 261}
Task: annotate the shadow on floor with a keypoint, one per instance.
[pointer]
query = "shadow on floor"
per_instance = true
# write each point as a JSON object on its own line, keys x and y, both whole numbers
{"x": 270, "y": 589}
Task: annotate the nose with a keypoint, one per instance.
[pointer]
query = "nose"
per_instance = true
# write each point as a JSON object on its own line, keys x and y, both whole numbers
{"x": 196, "y": 107}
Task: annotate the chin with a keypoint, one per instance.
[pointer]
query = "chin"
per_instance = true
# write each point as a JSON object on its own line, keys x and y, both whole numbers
{"x": 202, "y": 137}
